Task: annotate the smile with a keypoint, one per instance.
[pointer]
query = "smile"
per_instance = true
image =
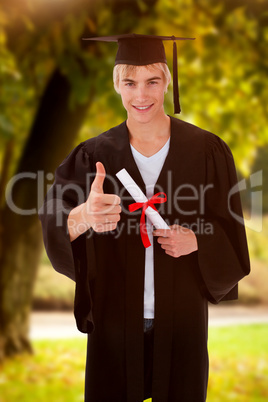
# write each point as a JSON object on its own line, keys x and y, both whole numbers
{"x": 142, "y": 107}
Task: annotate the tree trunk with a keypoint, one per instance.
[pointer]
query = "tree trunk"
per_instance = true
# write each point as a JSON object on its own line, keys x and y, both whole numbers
{"x": 54, "y": 130}
{"x": 7, "y": 158}
{"x": 19, "y": 260}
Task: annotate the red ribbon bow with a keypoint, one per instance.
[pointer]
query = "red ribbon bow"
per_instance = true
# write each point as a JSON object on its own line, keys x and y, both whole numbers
{"x": 156, "y": 199}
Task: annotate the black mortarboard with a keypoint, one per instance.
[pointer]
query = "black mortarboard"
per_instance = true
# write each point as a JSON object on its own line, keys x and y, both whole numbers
{"x": 141, "y": 50}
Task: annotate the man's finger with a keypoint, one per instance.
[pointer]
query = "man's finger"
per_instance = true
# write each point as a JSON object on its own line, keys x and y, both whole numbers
{"x": 167, "y": 249}
{"x": 163, "y": 240}
{"x": 97, "y": 184}
{"x": 162, "y": 232}
{"x": 109, "y": 219}
{"x": 108, "y": 199}
{"x": 104, "y": 227}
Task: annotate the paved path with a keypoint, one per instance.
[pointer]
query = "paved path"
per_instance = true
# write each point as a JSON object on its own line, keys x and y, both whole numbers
{"x": 222, "y": 315}
{"x": 49, "y": 325}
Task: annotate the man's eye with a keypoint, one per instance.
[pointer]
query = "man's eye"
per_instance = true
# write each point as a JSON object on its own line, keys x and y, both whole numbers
{"x": 153, "y": 82}
{"x": 129, "y": 84}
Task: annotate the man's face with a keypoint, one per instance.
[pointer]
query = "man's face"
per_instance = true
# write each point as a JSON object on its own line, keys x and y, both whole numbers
{"x": 142, "y": 94}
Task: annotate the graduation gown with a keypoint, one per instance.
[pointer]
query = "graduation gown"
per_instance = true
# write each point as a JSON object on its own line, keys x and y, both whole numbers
{"x": 108, "y": 268}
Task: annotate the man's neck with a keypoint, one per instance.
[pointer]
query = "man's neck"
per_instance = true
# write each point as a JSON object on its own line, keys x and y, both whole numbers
{"x": 149, "y": 138}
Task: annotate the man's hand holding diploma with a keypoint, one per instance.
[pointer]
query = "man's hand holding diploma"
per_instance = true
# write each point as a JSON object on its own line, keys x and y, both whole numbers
{"x": 177, "y": 241}
{"x": 101, "y": 212}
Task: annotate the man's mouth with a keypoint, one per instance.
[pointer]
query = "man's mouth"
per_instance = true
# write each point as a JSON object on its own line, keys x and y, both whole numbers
{"x": 142, "y": 107}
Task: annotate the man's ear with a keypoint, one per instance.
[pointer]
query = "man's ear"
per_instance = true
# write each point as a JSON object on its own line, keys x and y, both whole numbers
{"x": 167, "y": 84}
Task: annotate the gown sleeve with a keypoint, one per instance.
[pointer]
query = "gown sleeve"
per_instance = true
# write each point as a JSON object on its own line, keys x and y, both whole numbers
{"x": 223, "y": 253}
{"x": 72, "y": 259}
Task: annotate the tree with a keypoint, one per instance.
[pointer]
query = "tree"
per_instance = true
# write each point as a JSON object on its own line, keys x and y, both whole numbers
{"x": 64, "y": 93}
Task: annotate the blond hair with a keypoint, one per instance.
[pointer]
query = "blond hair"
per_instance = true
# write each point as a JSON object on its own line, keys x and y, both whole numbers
{"x": 123, "y": 70}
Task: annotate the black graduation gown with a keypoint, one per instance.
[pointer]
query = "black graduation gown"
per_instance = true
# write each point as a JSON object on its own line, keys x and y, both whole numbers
{"x": 109, "y": 268}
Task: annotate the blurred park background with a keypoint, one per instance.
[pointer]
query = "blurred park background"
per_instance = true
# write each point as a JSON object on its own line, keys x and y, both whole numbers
{"x": 56, "y": 91}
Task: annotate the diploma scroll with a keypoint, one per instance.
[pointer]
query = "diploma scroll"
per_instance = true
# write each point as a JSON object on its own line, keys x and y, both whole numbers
{"x": 136, "y": 193}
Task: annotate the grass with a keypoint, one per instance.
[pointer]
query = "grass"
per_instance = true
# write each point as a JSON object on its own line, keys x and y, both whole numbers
{"x": 238, "y": 364}
{"x": 55, "y": 373}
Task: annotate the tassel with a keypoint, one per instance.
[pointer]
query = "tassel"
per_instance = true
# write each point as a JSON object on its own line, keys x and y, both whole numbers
{"x": 177, "y": 107}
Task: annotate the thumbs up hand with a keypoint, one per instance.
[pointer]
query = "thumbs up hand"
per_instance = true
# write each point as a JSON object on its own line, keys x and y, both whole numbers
{"x": 101, "y": 211}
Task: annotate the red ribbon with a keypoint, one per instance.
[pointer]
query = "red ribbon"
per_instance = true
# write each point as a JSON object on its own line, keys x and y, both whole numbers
{"x": 156, "y": 199}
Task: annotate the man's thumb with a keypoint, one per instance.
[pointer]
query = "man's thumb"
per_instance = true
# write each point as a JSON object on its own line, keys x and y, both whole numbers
{"x": 97, "y": 184}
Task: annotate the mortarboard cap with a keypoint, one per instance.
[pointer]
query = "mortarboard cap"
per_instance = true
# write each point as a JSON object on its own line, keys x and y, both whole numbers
{"x": 141, "y": 50}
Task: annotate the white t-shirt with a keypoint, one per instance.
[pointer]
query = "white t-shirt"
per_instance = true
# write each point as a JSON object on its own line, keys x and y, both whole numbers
{"x": 150, "y": 168}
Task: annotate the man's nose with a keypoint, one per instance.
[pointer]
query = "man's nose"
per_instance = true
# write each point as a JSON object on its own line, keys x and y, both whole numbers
{"x": 142, "y": 93}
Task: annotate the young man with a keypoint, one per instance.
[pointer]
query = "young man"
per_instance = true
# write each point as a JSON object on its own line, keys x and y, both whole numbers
{"x": 145, "y": 309}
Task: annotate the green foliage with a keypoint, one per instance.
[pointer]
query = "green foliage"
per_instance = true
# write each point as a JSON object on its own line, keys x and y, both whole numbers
{"x": 238, "y": 368}
{"x": 38, "y": 37}
{"x": 16, "y": 99}
{"x": 222, "y": 72}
